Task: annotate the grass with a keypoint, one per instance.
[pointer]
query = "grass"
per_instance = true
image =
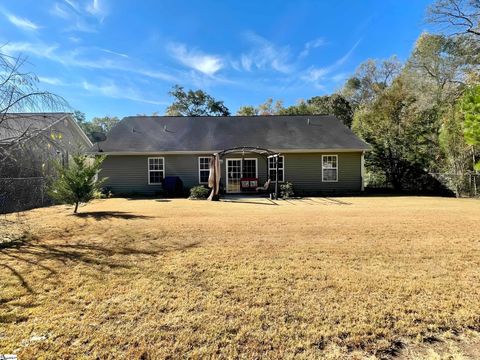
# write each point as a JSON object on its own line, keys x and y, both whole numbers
{"x": 312, "y": 278}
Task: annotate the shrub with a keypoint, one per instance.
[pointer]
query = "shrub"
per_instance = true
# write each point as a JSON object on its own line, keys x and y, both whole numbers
{"x": 199, "y": 192}
{"x": 286, "y": 190}
{"x": 77, "y": 182}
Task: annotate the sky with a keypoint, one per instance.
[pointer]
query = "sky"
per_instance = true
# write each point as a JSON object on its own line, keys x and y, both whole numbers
{"x": 120, "y": 58}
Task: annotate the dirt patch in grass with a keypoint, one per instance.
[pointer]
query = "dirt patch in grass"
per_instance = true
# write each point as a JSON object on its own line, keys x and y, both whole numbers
{"x": 312, "y": 278}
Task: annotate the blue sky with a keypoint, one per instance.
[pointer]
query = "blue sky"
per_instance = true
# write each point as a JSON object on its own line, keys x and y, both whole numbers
{"x": 119, "y": 57}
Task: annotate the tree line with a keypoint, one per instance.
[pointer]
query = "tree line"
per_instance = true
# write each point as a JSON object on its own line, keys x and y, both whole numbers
{"x": 421, "y": 117}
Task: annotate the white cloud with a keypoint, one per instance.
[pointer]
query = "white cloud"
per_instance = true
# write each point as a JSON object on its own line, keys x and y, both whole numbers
{"x": 50, "y": 80}
{"x": 265, "y": 55}
{"x": 40, "y": 50}
{"x": 112, "y": 90}
{"x": 21, "y": 23}
{"x": 206, "y": 64}
{"x": 59, "y": 10}
{"x": 315, "y": 75}
{"x": 114, "y": 53}
{"x": 86, "y": 58}
{"x": 96, "y": 8}
{"x": 83, "y": 18}
{"x": 73, "y": 4}
{"x": 313, "y": 44}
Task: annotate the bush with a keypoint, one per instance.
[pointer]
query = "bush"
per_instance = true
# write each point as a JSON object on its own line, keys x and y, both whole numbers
{"x": 77, "y": 181}
{"x": 199, "y": 192}
{"x": 286, "y": 190}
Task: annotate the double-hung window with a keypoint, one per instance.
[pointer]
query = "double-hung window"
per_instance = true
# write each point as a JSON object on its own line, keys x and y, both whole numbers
{"x": 329, "y": 168}
{"x": 272, "y": 169}
{"x": 156, "y": 170}
{"x": 203, "y": 169}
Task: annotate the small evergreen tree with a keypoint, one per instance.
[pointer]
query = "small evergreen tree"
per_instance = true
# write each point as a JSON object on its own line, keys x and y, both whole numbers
{"x": 77, "y": 181}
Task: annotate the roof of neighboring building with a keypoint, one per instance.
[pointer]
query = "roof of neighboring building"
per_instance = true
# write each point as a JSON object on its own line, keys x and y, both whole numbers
{"x": 150, "y": 134}
{"x": 15, "y": 125}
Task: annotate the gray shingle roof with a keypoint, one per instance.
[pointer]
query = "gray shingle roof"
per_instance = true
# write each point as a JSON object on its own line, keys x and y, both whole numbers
{"x": 16, "y": 124}
{"x": 145, "y": 134}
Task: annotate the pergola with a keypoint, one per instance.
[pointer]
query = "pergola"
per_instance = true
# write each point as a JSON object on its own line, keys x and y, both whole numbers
{"x": 266, "y": 153}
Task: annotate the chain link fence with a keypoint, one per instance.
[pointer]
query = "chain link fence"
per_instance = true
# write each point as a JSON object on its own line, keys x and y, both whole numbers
{"x": 462, "y": 185}
{"x": 18, "y": 194}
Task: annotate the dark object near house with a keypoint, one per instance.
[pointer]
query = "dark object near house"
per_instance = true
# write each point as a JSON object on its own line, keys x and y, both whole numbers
{"x": 173, "y": 186}
{"x": 98, "y": 136}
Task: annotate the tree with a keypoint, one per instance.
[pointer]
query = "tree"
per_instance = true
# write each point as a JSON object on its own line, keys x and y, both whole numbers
{"x": 460, "y": 16}
{"x": 457, "y": 160}
{"x": 334, "y": 104}
{"x": 104, "y": 124}
{"x": 470, "y": 106}
{"x": 19, "y": 93}
{"x": 370, "y": 79}
{"x": 265, "y": 108}
{"x": 301, "y": 108}
{"x": 435, "y": 71}
{"x": 400, "y": 136}
{"x": 247, "y": 110}
{"x": 76, "y": 182}
{"x": 97, "y": 124}
{"x": 269, "y": 108}
{"x": 195, "y": 103}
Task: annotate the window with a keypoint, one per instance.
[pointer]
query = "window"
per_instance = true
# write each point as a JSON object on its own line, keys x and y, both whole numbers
{"x": 156, "y": 170}
{"x": 329, "y": 168}
{"x": 272, "y": 169}
{"x": 203, "y": 169}
{"x": 249, "y": 168}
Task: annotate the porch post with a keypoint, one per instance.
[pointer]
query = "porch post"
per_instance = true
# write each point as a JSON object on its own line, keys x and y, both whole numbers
{"x": 362, "y": 171}
{"x": 276, "y": 177}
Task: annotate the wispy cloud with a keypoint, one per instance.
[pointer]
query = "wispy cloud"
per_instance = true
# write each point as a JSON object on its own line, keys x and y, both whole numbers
{"x": 195, "y": 59}
{"x": 39, "y": 50}
{"x": 316, "y": 74}
{"x": 86, "y": 58}
{"x": 50, "y": 80}
{"x": 83, "y": 17}
{"x": 265, "y": 54}
{"x": 60, "y": 11}
{"x": 309, "y": 45}
{"x": 112, "y": 90}
{"x": 21, "y": 23}
{"x": 114, "y": 53}
{"x": 97, "y": 8}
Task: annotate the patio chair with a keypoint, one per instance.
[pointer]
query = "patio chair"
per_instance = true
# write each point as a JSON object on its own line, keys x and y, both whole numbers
{"x": 264, "y": 187}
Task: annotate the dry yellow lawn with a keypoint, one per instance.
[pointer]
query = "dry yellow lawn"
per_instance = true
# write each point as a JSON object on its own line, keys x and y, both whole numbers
{"x": 311, "y": 278}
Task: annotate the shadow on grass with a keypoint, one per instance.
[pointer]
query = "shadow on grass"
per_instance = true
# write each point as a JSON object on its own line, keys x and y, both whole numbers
{"x": 102, "y": 215}
{"x": 29, "y": 256}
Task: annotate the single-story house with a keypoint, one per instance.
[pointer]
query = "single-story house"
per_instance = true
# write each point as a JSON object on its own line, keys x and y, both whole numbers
{"x": 317, "y": 154}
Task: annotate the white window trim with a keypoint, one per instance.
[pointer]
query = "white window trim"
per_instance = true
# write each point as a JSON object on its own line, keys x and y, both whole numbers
{"x": 280, "y": 168}
{"x": 199, "y": 177}
{"x": 149, "y": 171}
{"x": 336, "y": 169}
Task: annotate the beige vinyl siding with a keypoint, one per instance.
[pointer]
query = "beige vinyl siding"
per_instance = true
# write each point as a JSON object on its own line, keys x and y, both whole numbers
{"x": 128, "y": 174}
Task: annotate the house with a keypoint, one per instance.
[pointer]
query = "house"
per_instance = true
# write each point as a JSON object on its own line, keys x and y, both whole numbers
{"x": 29, "y": 143}
{"x": 318, "y": 154}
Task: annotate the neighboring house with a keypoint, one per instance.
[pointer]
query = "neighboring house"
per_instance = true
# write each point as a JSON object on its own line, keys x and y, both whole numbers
{"x": 318, "y": 153}
{"x": 29, "y": 143}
